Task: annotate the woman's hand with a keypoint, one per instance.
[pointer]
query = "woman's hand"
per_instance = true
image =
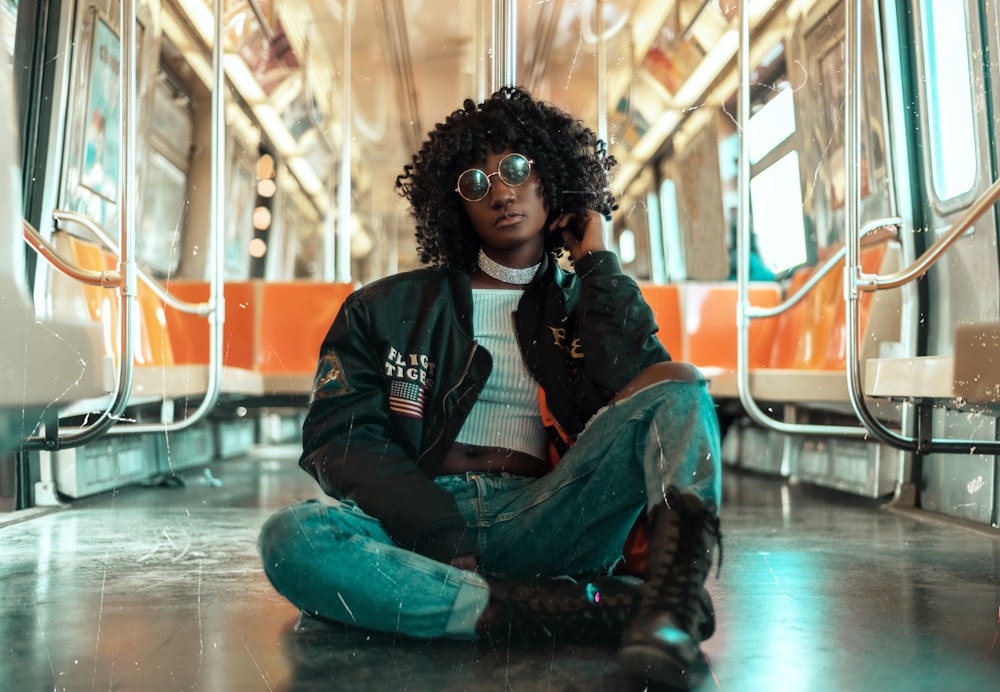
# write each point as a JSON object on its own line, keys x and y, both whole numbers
{"x": 581, "y": 234}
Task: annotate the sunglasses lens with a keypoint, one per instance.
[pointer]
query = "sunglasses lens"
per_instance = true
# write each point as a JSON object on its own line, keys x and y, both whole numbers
{"x": 473, "y": 184}
{"x": 514, "y": 169}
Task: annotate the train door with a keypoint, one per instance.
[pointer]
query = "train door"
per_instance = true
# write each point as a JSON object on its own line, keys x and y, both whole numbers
{"x": 956, "y": 121}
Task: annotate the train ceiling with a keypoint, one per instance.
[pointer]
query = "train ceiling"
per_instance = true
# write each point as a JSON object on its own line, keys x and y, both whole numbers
{"x": 413, "y": 61}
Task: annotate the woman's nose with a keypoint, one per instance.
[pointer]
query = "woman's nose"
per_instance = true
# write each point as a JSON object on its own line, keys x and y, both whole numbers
{"x": 500, "y": 193}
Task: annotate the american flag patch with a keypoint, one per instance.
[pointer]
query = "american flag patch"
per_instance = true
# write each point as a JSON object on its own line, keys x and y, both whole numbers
{"x": 406, "y": 399}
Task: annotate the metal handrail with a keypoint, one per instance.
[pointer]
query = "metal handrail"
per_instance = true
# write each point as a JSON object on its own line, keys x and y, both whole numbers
{"x": 54, "y": 439}
{"x": 113, "y": 279}
{"x": 876, "y": 282}
{"x": 216, "y": 315}
{"x": 744, "y": 312}
{"x": 163, "y": 294}
{"x": 107, "y": 278}
{"x": 754, "y": 312}
{"x": 214, "y": 309}
{"x": 73, "y": 437}
{"x": 855, "y": 282}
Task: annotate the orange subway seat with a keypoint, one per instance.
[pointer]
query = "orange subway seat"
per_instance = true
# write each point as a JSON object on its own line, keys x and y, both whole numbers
{"x": 189, "y": 333}
{"x": 789, "y": 325}
{"x": 665, "y": 301}
{"x": 820, "y": 306}
{"x": 836, "y": 353}
{"x": 102, "y": 304}
{"x": 711, "y": 329}
{"x": 294, "y": 318}
{"x": 156, "y": 348}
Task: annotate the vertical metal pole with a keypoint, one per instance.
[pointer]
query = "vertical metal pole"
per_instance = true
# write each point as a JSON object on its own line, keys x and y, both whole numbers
{"x": 216, "y": 251}
{"x": 742, "y": 252}
{"x": 743, "y": 207}
{"x": 852, "y": 203}
{"x": 510, "y": 45}
{"x": 480, "y": 52}
{"x": 126, "y": 167}
{"x": 52, "y": 437}
{"x": 330, "y": 228}
{"x": 217, "y": 317}
{"x": 344, "y": 182}
{"x": 504, "y": 44}
{"x": 602, "y": 99}
{"x": 602, "y": 73}
{"x": 852, "y": 149}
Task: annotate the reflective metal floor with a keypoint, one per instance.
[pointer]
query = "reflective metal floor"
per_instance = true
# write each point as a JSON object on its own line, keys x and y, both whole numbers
{"x": 161, "y": 589}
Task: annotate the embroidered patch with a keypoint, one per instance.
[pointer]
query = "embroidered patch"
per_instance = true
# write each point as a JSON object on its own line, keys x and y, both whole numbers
{"x": 330, "y": 378}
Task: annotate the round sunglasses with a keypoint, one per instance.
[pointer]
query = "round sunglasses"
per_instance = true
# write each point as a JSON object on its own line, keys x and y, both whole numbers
{"x": 474, "y": 184}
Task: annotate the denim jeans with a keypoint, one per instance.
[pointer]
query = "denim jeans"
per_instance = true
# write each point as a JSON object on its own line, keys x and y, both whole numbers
{"x": 334, "y": 561}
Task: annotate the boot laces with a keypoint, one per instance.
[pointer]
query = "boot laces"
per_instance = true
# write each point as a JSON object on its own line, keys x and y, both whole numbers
{"x": 568, "y": 608}
{"x": 685, "y": 561}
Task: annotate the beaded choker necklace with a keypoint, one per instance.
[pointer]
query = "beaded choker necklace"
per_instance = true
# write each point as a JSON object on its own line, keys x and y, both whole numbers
{"x": 506, "y": 274}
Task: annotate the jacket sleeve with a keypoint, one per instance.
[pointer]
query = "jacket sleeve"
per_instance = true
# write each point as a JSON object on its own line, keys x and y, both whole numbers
{"x": 351, "y": 447}
{"x": 617, "y": 326}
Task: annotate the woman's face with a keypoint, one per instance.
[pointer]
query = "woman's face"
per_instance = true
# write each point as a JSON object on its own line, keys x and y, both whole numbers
{"x": 510, "y": 219}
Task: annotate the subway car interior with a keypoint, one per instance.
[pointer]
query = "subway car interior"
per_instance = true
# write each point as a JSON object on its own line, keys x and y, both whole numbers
{"x": 807, "y": 196}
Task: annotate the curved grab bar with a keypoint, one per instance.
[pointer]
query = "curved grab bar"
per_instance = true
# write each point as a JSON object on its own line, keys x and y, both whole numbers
{"x": 107, "y": 278}
{"x": 867, "y": 282}
{"x": 54, "y": 439}
{"x": 855, "y": 282}
{"x": 744, "y": 312}
{"x": 73, "y": 437}
{"x": 154, "y": 285}
{"x": 216, "y": 315}
{"x": 754, "y": 312}
{"x": 594, "y": 36}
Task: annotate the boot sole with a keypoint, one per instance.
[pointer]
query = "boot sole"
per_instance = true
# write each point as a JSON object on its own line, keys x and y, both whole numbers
{"x": 656, "y": 665}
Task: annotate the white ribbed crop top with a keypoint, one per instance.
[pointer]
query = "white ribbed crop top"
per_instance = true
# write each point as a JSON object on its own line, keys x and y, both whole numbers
{"x": 507, "y": 413}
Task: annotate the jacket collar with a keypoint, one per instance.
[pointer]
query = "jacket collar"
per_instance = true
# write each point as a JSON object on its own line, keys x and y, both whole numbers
{"x": 461, "y": 291}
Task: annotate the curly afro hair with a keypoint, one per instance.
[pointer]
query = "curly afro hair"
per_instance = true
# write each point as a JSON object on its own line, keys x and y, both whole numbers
{"x": 571, "y": 161}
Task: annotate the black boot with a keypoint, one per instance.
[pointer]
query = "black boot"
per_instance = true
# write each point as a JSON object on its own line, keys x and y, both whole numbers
{"x": 675, "y": 612}
{"x": 573, "y": 612}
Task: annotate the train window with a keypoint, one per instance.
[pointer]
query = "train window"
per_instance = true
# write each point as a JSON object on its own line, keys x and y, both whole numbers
{"x": 163, "y": 214}
{"x": 776, "y": 198}
{"x": 729, "y": 156}
{"x": 772, "y": 124}
{"x": 303, "y": 235}
{"x": 626, "y": 246}
{"x": 633, "y": 228}
{"x": 239, "y": 224}
{"x": 173, "y": 123}
{"x": 948, "y": 79}
{"x": 163, "y": 217}
{"x": 673, "y": 247}
{"x": 657, "y": 272}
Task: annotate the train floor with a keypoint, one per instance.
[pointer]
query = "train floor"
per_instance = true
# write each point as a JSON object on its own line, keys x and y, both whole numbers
{"x": 160, "y": 588}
